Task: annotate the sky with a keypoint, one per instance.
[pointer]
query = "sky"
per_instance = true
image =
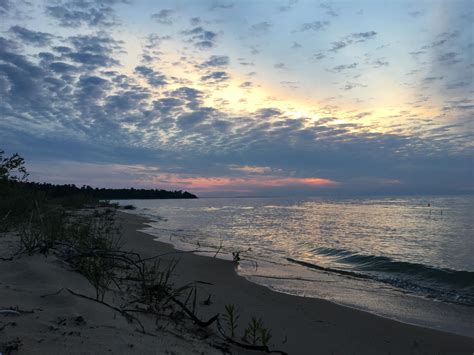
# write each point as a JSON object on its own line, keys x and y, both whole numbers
{"x": 241, "y": 98}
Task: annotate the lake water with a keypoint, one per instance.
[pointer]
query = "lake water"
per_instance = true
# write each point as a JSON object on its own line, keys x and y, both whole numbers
{"x": 409, "y": 258}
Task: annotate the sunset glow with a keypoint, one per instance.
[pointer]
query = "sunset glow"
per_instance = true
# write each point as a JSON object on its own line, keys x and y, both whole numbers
{"x": 241, "y": 96}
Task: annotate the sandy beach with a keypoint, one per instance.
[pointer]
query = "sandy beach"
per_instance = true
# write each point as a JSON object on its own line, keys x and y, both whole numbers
{"x": 64, "y": 323}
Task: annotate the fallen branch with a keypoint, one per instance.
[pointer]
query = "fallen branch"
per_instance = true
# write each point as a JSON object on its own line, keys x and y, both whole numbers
{"x": 218, "y": 250}
{"x": 9, "y": 311}
{"x": 191, "y": 315}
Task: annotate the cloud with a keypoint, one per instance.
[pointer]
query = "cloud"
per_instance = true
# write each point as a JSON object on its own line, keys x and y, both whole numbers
{"x": 17, "y": 9}
{"x": 416, "y": 54}
{"x": 236, "y": 184}
{"x": 153, "y": 77}
{"x": 94, "y": 50}
{"x": 72, "y": 13}
{"x": 260, "y": 28}
{"x": 164, "y": 16}
{"x": 417, "y": 13}
{"x": 381, "y": 62}
{"x": 358, "y": 37}
{"x": 317, "y": 56}
{"x": 363, "y": 36}
{"x": 350, "y": 85}
{"x": 251, "y": 169}
{"x": 219, "y": 5}
{"x": 329, "y": 9}
{"x": 72, "y": 101}
{"x": 201, "y": 38}
{"x": 442, "y": 39}
{"x": 449, "y": 58}
{"x": 62, "y": 68}
{"x": 189, "y": 120}
{"x": 313, "y": 26}
{"x": 5, "y": 6}
{"x": 244, "y": 62}
{"x": 215, "y": 77}
{"x": 290, "y": 4}
{"x": 194, "y": 21}
{"x": 269, "y": 112}
{"x": 215, "y": 61}
{"x": 290, "y": 84}
{"x": 280, "y": 66}
{"x": 151, "y": 48}
{"x": 35, "y": 38}
{"x": 296, "y": 45}
{"x": 246, "y": 85}
{"x": 342, "y": 67}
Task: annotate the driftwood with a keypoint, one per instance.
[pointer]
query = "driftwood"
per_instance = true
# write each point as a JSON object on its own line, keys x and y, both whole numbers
{"x": 9, "y": 311}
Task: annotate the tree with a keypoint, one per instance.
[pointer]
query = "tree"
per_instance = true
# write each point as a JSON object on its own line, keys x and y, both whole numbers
{"x": 12, "y": 168}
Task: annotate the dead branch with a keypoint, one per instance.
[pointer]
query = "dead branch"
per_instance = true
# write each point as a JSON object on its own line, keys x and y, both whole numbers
{"x": 9, "y": 311}
{"x": 191, "y": 315}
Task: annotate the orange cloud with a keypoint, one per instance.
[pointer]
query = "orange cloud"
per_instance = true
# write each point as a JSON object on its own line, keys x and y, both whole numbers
{"x": 235, "y": 184}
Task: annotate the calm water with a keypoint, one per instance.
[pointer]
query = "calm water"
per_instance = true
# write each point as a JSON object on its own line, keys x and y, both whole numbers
{"x": 397, "y": 257}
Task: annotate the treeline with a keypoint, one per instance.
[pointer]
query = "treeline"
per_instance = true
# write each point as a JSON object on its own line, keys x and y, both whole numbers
{"x": 61, "y": 191}
{"x": 20, "y": 199}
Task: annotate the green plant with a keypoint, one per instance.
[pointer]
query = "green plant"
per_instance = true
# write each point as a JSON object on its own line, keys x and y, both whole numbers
{"x": 99, "y": 272}
{"x": 29, "y": 239}
{"x": 252, "y": 332}
{"x": 265, "y": 336}
{"x": 155, "y": 284}
{"x": 256, "y": 332}
{"x": 231, "y": 318}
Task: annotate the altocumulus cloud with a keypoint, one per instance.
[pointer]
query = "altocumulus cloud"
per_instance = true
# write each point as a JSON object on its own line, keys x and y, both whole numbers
{"x": 71, "y": 98}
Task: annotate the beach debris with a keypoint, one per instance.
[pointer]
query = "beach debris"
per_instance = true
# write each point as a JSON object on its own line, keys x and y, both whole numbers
{"x": 9, "y": 312}
{"x": 236, "y": 256}
{"x": 218, "y": 250}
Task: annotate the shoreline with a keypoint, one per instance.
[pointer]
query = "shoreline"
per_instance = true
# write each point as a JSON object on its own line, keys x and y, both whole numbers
{"x": 37, "y": 318}
{"x": 306, "y": 321}
{"x": 410, "y": 301}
